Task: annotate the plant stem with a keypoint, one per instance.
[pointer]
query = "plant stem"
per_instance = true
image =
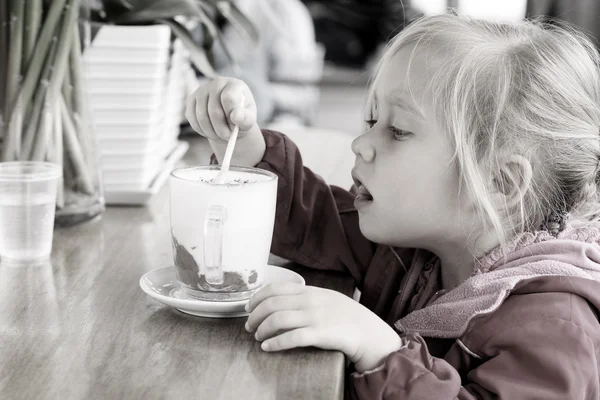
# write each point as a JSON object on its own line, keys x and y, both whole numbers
{"x": 37, "y": 107}
{"x": 33, "y": 123}
{"x": 36, "y": 63}
{"x": 12, "y": 140}
{"x": 33, "y": 20}
{"x": 3, "y": 57}
{"x": 79, "y": 111}
{"x": 68, "y": 174}
{"x": 64, "y": 46}
{"x": 75, "y": 60}
{"x": 16, "y": 13}
{"x": 58, "y": 153}
{"x": 57, "y": 130}
{"x": 48, "y": 154}
{"x": 31, "y": 28}
{"x": 60, "y": 66}
{"x": 42, "y": 47}
{"x": 74, "y": 151}
{"x": 42, "y": 136}
{"x": 67, "y": 89}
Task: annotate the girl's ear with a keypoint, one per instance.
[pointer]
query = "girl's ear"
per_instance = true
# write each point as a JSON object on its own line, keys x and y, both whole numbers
{"x": 511, "y": 182}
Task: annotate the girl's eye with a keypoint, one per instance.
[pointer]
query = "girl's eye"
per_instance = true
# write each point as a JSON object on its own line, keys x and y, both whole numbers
{"x": 370, "y": 122}
{"x": 399, "y": 133}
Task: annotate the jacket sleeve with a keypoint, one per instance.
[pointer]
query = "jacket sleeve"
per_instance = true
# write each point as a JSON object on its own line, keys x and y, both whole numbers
{"x": 544, "y": 359}
{"x": 316, "y": 225}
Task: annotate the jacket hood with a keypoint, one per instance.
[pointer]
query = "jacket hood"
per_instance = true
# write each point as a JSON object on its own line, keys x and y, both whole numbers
{"x": 574, "y": 253}
{"x": 578, "y": 246}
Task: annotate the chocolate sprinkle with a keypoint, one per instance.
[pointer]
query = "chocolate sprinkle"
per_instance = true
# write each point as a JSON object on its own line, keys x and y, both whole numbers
{"x": 253, "y": 277}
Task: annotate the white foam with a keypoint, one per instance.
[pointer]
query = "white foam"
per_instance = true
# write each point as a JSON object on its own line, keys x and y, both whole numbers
{"x": 209, "y": 176}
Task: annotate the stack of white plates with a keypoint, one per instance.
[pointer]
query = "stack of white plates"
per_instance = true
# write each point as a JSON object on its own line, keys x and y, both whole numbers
{"x": 135, "y": 77}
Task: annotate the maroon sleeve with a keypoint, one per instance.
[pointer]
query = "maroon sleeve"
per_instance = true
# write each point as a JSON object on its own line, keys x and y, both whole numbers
{"x": 409, "y": 373}
{"x": 316, "y": 224}
{"x": 548, "y": 359}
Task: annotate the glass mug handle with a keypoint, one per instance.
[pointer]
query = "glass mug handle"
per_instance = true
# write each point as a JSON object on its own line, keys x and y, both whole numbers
{"x": 213, "y": 244}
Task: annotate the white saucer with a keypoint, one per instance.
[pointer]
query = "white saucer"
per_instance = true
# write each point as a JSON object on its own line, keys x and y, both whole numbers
{"x": 161, "y": 284}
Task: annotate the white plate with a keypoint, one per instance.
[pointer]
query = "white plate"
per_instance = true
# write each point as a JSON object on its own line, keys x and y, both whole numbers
{"x": 134, "y": 196}
{"x": 161, "y": 284}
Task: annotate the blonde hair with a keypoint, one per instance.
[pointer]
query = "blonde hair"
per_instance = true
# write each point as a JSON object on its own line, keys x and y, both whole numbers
{"x": 531, "y": 89}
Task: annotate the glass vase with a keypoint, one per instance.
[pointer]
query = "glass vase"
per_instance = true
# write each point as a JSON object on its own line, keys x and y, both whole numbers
{"x": 44, "y": 113}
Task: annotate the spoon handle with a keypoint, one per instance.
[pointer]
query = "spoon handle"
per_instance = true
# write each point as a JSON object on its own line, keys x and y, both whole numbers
{"x": 229, "y": 150}
{"x": 228, "y": 154}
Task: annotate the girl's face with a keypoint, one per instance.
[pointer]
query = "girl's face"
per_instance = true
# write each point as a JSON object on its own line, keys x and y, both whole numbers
{"x": 408, "y": 185}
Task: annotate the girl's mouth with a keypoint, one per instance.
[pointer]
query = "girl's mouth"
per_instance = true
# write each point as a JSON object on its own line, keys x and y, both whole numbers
{"x": 363, "y": 196}
{"x": 363, "y": 193}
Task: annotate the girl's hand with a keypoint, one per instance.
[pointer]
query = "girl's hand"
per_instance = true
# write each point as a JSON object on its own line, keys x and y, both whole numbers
{"x": 290, "y": 315}
{"x": 213, "y": 110}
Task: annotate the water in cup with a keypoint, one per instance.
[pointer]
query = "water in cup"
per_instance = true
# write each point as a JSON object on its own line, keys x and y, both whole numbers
{"x": 27, "y": 206}
{"x": 20, "y": 239}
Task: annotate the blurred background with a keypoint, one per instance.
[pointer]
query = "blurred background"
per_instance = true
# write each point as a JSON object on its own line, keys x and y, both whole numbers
{"x": 311, "y": 65}
{"x": 119, "y": 125}
{"x": 311, "y": 75}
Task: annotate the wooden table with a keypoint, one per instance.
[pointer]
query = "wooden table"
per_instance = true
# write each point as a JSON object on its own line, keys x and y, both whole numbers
{"x": 82, "y": 328}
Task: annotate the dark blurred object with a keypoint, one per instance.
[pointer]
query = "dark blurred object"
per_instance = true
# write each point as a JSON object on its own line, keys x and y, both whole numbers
{"x": 351, "y": 30}
{"x": 583, "y": 13}
{"x": 183, "y": 17}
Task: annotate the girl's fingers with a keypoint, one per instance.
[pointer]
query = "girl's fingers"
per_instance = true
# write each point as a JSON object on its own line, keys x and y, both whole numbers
{"x": 281, "y": 321}
{"x": 244, "y": 117}
{"x": 270, "y": 306}
{"x": 238, "y": 116}
{"x": 216, "y": 113}
{"x": 190, "y": 113}
{"x": 233, "y": 93}
{"x": 203, "y": 118}
{"x": 215, "y": 108}
{"x": 237, "y": 97}
{"x": 284, "y": 289}
{"x": 302, "y": 337}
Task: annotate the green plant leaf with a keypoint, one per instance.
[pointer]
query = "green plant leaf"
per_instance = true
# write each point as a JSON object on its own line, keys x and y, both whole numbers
{"x": 234, "y": 64}
{"x": 203, "y": 11}
{"x": 152, "y": 10}
{"x": 208, "y": 22}
{"x": 230, "y": 11}
{"x": 4, "y": 34}
{"x": 197, "y": 54}
{"x": 239, "y": 21}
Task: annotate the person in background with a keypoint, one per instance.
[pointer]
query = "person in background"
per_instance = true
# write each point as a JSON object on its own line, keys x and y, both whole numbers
{"x": 471, "y": 231}
{"x": 584, "y": 14}
{"x": 353, "y": 30}
{"x": 283, "y": 70}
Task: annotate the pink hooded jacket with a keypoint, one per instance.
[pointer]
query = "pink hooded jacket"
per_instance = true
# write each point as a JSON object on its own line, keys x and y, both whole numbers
{"x": 522, "y": 327}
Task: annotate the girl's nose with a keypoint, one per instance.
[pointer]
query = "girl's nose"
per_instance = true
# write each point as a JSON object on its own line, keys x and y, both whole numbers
{"x": 363, "y": 148}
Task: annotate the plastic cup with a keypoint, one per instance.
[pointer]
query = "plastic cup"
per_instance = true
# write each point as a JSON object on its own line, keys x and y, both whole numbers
{"x": 28, "y": 192}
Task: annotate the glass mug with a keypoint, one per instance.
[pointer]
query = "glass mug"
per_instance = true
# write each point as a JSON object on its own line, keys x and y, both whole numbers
{"x": 221, "y": 233}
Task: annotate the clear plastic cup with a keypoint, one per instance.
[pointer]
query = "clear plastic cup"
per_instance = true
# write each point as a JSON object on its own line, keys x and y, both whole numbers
{"x": 28, "y": 192}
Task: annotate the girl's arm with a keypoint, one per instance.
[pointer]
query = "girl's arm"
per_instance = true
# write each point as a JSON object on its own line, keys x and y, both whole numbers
{"x": 540, "y": 359}
{"x": 316, "y": 224}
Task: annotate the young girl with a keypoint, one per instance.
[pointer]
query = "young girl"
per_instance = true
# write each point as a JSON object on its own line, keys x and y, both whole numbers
{"x": 482, "y": 148}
